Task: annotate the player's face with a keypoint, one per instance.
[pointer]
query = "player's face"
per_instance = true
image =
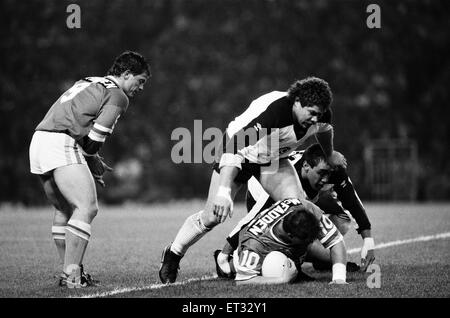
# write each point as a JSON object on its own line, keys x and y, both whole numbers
{"x": 306, "y": 116}
{"x": 319, "y": 175}
{"x": 134, "y": 83}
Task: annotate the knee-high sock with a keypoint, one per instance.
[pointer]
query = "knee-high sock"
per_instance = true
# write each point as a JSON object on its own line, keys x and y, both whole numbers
{"x": 78, "y": 234}
{"x": 190, "y": 232}
{"x": 59, "y": 237}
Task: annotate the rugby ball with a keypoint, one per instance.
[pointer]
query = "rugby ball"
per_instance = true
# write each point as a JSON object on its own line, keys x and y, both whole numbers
{"x": 277, "y": 264}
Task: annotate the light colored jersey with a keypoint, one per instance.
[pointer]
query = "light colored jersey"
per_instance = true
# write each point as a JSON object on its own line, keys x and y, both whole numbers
{"x": 91, "y": 107}
{"x": 257, "y": 239}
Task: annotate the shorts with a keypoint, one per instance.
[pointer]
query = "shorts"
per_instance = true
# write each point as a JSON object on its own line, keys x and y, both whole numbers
{"x": 248, "y": 170}
{"x": 51, "y": 150}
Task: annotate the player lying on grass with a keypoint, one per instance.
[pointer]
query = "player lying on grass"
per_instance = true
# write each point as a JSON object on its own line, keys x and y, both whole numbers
{"x": 330, "y": 189}
{"x": 259, "y": 142}
{"x": 64, "y": 153}
{"x": 289, "y": 226}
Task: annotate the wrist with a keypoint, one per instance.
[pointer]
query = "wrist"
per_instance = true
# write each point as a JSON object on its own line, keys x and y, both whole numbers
{"x": 224, "y": 191}
{"x": 339, "y": 272}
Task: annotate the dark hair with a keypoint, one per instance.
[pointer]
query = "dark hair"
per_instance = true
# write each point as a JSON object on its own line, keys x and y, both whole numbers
{"x": 313, "y": 155}
{"x": 302, "y": 224}
{"x": 131, "y": 61}
{"x": 311, "y": 91}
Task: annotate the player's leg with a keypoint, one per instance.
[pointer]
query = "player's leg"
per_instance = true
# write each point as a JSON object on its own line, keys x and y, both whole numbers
{"x": 329, "y": 203}
{"x": 282, "y": 183}
{"x": 76, "y": 184}
{"x": 63, "y": 211}
{"x": 193, "y": 229}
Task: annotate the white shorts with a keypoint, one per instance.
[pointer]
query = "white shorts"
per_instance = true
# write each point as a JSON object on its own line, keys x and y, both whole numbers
{"x": 51, "y": 150}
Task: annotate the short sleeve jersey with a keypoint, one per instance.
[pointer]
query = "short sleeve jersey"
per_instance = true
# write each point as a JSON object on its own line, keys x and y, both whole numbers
{"x": 257, "y": 239}
{"x": 92, "y": 100}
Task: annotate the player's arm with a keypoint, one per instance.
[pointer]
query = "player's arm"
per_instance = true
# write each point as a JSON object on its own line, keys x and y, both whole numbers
{"x": 113, "y": 106}
{"x": 324, "y": 136}
{"x": 346, "y": 193}
{"x": 235, "y": 144}
{"x": 331, "y": 238}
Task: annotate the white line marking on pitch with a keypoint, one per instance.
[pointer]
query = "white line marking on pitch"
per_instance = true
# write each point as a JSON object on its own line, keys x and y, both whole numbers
{"x": 407, "y": 241}
{"x": 210, "y": 277}
{"x": 148, "y": 287}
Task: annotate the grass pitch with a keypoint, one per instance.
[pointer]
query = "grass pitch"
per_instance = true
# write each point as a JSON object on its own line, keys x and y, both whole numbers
{"x": 126, "y": 244}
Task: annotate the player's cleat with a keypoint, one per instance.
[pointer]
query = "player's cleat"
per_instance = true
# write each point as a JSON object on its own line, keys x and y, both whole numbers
{"x": 87, "y": 278}
{"x": 352, "y": 267}
{"x": 62, "y": 280}
{"x": 303, "y": 277}
{"x": 326, "y": 266}
{"x": 219, "y": 271}
{"x": 77, "y": 279}
{"x": 170, "y": 264}
{"x": 74, "y": 279}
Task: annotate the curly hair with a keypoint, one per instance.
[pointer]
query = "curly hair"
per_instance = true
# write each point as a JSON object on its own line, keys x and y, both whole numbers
{"x": 131, "y": 61}
{"x": 311, "y": 91}
{"x": 302, "y": 224}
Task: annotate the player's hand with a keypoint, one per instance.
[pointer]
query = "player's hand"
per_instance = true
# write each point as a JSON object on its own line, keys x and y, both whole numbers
{"x": 367, "y": 253}
{"x": 223, "y": 204}
{"x": 337, "y": 160}
{"x": 338, "y": 282}
{"x": 98, "y": 168}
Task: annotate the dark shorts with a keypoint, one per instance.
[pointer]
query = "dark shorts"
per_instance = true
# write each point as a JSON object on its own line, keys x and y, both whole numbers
{"x": 248, "y": 170}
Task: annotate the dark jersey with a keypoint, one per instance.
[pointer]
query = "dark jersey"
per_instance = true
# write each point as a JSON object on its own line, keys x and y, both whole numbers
{"x": 266, "y": 131}
{"x": 340, "y": 183}
{"x": 91, "y": 107}
{"x": 258, "y": 239}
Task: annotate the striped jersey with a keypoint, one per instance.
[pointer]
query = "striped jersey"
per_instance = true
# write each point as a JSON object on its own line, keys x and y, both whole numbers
{"x": 267, "y": 130}
{"x": 258, "y": 239}
{"x": 91, "y": 107}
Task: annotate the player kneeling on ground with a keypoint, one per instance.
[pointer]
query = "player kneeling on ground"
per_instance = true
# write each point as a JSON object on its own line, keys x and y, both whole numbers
{"x": 278, "y": 238}
{"x": 330, "y": 189}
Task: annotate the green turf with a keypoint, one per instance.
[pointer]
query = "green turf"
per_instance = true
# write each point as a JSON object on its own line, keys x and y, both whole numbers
{"x": 127, "y": 241}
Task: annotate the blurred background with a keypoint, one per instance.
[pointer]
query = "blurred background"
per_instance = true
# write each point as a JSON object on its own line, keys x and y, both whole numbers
{"x": 209, "y": 60}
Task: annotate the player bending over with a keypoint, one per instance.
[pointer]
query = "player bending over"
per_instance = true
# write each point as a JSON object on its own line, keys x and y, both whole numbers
{"x": 64, "y": 154}
{"x": 330, "y": 189}
{"x": 259, "y": 141}
{"x": 288, "y": 227}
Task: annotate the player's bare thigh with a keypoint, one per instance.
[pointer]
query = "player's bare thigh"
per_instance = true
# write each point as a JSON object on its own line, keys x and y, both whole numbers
{"x": 54, "y": 195}
{"x": 282, "y": 182}
{"x": 76, "y": 184}
{"x": 208, "y": 217}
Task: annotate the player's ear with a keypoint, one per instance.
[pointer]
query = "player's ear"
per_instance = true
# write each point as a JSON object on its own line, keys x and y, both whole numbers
{"x": 126, "y": 74}
{"x": 306, "y": 166}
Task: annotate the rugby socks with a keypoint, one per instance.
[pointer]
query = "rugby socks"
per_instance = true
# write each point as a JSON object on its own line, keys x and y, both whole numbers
{"x": 59, "y": 237}
{"x": 78, "y": 234}
{"x": 190, "y": 232}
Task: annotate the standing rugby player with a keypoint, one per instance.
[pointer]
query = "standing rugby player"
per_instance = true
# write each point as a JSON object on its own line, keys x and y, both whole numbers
{"x": 64, "y": 154}
{"x": 259, "y": 141}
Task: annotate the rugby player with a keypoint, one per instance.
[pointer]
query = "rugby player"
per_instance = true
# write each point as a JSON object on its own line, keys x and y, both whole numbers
{"x": 259, "y": 141}
{"x": 289, "y": 227}
{"x": 331, "y": 190}
{"x": 64, "y": 154}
